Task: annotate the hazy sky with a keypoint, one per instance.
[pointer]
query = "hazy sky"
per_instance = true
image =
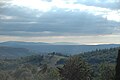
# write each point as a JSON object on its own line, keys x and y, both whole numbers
{"x": 78, "y": 21}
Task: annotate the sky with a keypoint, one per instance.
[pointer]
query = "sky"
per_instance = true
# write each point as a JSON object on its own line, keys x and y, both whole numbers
{"x": 76, "y": 21}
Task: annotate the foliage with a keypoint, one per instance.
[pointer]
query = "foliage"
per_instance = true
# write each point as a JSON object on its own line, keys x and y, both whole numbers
{"x": 101, "y": 56}
{"x": 103, "y": 62}
{"x": 44, "y": 67}
{"x": 107, "y": 71}
{"x": 75, "y": 69}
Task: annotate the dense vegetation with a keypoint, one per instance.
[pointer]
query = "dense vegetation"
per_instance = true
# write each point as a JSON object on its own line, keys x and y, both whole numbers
{"x": 94, "y": 65}
{"x": 76, "y": 68}
{"x": 103, "y": 62}
{"x": 100, "y": 56}
{"x": 13, "y": 52}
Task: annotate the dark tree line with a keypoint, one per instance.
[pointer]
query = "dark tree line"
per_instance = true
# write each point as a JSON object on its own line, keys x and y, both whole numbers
{"x": 118, "y": 67}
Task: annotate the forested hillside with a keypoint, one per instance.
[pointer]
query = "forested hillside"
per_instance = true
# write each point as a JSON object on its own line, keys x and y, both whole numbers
{"x": 97, "y": 65}
{"x": 44, "y": 48}
{"x": 100, "y": 56}
{"x": 103, "y": 62}
{"x": 12, "y": 52}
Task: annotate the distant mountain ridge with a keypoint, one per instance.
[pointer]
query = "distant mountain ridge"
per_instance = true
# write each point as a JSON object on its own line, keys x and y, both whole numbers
{"x": 42, "y": 48}
{"x": 36, "y": 43}
{"x": 10, "y": 43}
{"x": 65, "y": 43}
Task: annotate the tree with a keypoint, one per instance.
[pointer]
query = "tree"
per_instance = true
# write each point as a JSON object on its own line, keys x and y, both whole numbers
{"x": 75, "y": 69}
{"x": 107, "y": 71}
{"x": 49, "y": 74}
{"x": 118, "y": 67}
{"x": 5, "y": 76}
{"x": 23, "y": 74}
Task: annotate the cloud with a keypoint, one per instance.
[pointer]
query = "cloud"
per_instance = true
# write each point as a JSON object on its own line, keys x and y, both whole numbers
{"x": 27, "y": 34}
{"x": 112, "y": 4}
{"x": 4, "y": 3}
{"x": 59, "y": 24}
{"x": 19, "y": 22}
{"x": 68, "y": 5}
{"x": 98, "y": 39}
{"x": 59, "y": 20}
{"x": 5, "y": 17}
{"x": 33, "y": 4}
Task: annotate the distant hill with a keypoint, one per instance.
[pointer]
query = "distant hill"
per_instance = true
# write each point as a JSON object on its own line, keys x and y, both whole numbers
{"x": 11, "y": 52}
{"x": 64, "y": 43}
{"x": 56, "y": 59}
{"x": 18, "y": 43}
{"x": 51, "y": 60}
{"x": 101, "y": 56}
{"x": 57, "y": 47}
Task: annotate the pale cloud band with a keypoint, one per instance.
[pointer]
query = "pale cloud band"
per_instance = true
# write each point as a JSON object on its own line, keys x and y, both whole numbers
{"x": 88, "y": 40}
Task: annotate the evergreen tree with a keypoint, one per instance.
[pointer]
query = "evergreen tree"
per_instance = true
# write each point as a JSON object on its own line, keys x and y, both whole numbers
{"x": 75, "y": 69}
{"x": 118, "y": 67}
{"x": 107, "y": 71}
